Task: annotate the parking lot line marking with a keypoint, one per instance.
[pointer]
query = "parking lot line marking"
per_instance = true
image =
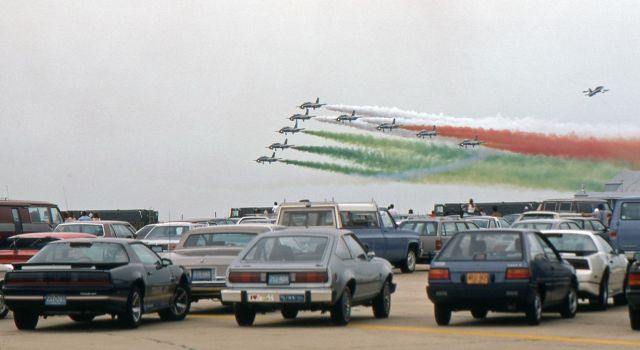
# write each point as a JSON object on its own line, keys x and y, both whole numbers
{"x": 490, "y": 334}
{"x": 221, "y": 317}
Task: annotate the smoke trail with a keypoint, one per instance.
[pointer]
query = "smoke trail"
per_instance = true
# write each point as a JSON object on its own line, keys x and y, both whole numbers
{"x": 332, "y": 167}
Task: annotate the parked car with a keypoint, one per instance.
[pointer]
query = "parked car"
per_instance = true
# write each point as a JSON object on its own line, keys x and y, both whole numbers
{"x": 434, "y": 232}
{"x": 488, "y": 222}
{"x": 625, "y": 225}
{"x": 537, "y": 214}
{"x": 600, "y": 268}
{"x": 4, "y": 268}
{"x": 546, "y": 224}
{"x": 144, "y": 230}
{"x": 308, "y": 269}
{"x": 164, "y": 237}
{"x": 205, "y": 254}
{"x": 501, "y": 270}
{"x": 20, "y": 248}
{"x": 591, "y": 224}
{"x": 633, "y": 292}
{"x": 574, "y": 205}
{"x": 255, "y": 220}
{"x": 511, "y": 218}
{"x": 102, "y": 228}
{"x": 20, "y": 216}
{"x": 84, "y": 278}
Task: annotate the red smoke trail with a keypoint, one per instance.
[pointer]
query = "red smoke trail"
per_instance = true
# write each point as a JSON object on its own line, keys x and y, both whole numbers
{"x": 549, "y": 145}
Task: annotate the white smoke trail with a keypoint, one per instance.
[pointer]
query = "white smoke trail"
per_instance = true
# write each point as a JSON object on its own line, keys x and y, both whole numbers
{"x": 376, "y": 114}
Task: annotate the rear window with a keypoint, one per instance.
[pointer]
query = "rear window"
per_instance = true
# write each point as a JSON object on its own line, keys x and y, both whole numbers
{"x": 81, "y": 252}
{"x": 223, "y": 239}
{"x": 287, "y": 249}
{"x": 166, "y": 232}
{"x": 93, "y": 229}
{"x": 359, "y": 219}
{"x": 537, "y": 216}
{"x": 572, "y": 243}
{"x": 493, "y": 246}
{"x": 319, "y": 217}
{"x": 630, "y": 211}
{"x": 533, "y": 225}
{"x": 25, "y": 243}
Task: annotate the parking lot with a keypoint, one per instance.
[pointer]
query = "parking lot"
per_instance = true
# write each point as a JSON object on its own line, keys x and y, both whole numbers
{"x": 411, "y": 325}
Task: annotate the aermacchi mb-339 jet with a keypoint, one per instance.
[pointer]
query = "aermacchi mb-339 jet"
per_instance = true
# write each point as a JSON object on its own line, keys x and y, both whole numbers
{"x": 389, "y": 126}
{"x": 302, "y": 117}
{"x": 598, "y": 89}
{"x": 281, "y": 146}
{"x": 290, "y": 130}
{"x": 347, "y": 117}
{"x": 469, "y": 142}
{"x": 425, "y": 133}
{"x": 265, "y": 159}
{"x": 311, "y": 104}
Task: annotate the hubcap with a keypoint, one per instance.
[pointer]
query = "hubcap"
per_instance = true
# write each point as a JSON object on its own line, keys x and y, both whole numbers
{"x": 136, "y": 308}
{"x": 573, "y": 301}
{"x": 538, "y": 306}
{"x": 411, "y": 260}
{"x": 387, "y": 298}
{"x": 180, "y": 301}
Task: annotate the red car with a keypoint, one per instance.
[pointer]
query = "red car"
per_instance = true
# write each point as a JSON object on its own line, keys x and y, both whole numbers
{"x": 20, "y": 248}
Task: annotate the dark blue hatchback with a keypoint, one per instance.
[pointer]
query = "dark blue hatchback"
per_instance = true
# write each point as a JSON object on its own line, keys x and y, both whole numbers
{"x": 501, "y": 270}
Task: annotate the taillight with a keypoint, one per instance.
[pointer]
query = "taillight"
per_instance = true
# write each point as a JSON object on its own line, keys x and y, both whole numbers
{"x": 247, "y": 277}
{"x": 634, "y": 279}
{"x": 613, "y": 235}
{"x": 171, "y": 246}
{"x": 517, "y": 274}
{"x": 438, "y": 244}
{"x": 309, "y": 277}
{"x": 438, "y": 274}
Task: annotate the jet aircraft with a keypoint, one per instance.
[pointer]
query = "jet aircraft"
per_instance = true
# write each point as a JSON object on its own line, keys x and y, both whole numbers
{"x": 265, "y": 159}
{"x": 389, "y": 126}
{"x": 345, "y": 117}
{"x": 425, "y": 133}
{"x": 302, "y": 117}
{"x": 287, "y": 129}
{"x": 598, "y": 89}
{"x": 469, "y": 142}
{"x": 281, "y": 146}
{"x": 311, "y": 104}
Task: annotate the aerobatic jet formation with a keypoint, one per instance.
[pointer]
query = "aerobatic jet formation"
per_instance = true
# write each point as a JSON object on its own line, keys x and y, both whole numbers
{"x": 281, "y": 146}
{"x": 315, "y": 105}
{"x": 424, "y": 133}
{"x": 347, "y": 117}
{"x": 470, "y": 142}
{"x": 598, "y": 89}
{"x": 302, "y": 117}
{"x": 265, "y": 159}
{"x": 290, "y": 130}
{"x": 389, "y": 126}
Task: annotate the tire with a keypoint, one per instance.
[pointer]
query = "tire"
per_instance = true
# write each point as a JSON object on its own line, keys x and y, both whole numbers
{"x": 132, "y": 315}
{"x": 82, "y": 317}
{"x": 409, "y": 263}
{"x": 442, "y": 314}
{"x": 180, "y": 305}
{"x": 4, "y": 309}
{"x": 245, "y": 316}
{"x": 25, "y": 320}
{"x": 382, "y": 302}
{"x": 479, "y": 314}
{"x": 289, "y": 313}
{"x": 634, "y": 318}
{"x": 570, "y": 304}
{"x": 533, "y": 312}
{"x": 621, "y": 299}
{"x": 341, "y": 310}
{"x": 601, "y": 302}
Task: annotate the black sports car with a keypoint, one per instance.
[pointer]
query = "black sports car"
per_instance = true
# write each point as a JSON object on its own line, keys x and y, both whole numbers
{"x": 84, "y": 278}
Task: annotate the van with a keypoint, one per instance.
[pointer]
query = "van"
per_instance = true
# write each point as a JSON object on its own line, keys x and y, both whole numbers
{"x": 573, "y": 205}
{"x": 20, "y": 216}
{"x": 625, "y": 225}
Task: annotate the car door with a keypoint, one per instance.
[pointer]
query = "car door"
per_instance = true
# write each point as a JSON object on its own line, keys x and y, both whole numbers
{"x": 617, "y": 265}
{"x": 368, "y": 281}
{"x": 159, "y": 281}
{"x": 541, "y": 267}
{"x": 396, "y": 249}
{"x": 560, "y": 274}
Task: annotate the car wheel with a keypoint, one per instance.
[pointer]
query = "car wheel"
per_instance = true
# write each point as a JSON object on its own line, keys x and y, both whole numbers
{"x": 245, "y": 316}
{"x": 409, "y": 263}
{"x": 4, "y": 309}
{"x": 442, "y": 313}
{"x": 621, "y": 299}
{"x": 180, "y": 305}
{"x": 341, "y": 310}
{"x": 25, "y": 320}
{"x": 479, "y": 314}
{"x": 289, "y": 313}
{"x": 534, "y": 310}
{"x": 634, "y": 317}
{"x": 603, "y": 297}
{"x": 382, "y": 302}
{"x": 132, "y": 315}
{"x": 570, "y": 304}
{"x": 82, "y": 317}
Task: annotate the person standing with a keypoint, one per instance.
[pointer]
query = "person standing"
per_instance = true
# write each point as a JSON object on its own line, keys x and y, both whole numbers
{"x": 95, "y": 217}
{"x": 274, "y": 210}
{"x": 471, "y": 207}
{"x": 392, "y": 210}
{"x": 84, "y": 216}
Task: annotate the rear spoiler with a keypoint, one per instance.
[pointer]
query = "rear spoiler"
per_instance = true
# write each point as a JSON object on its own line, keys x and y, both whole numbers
{"x": 65, "y": 266}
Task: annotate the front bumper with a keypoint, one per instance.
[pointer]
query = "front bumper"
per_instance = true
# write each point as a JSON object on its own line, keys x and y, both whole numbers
{"x": 278, "y": 296}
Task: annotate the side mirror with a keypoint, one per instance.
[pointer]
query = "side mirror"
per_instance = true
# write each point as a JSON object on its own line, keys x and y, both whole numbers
{"x": 362, "y": 257}
{"x": 371, "y": 255}
{"x": 164, "y": 262}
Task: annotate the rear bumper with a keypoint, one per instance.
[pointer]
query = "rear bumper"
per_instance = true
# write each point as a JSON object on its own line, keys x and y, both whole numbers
{"x": 278, "y": 296}
{"x": 98, "y": 304}
{"x": 499, "y": 297}
{"x": 207, "y": 290}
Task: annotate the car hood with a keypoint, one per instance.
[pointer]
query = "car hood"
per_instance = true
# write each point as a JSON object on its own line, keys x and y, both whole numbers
{"x": 189, "y": 261}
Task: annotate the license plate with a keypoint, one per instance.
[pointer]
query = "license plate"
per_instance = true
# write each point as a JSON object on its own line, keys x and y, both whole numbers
{"x": 477, "y": 278}
{"x": 55, "y": 300}
{"x": 296, "y": 298}
{"x": 201, "y": 275}
{"x": 278, "y": 278}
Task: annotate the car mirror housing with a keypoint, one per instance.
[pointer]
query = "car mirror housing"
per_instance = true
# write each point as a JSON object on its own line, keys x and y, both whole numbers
{"x": 165, "y": 262}
{"x": 371, "y": 255}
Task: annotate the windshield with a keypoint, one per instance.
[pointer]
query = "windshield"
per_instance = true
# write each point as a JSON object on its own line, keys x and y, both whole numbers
{"x": 224, "y": 239}
{"x": 572, "y": 243}
{"x": 25, "y": 243}
{"x": 533, "y": 225}
{"x": 288, "y": 248}
{"x": 359, "y": 219}
{"x": 71, "y": 252}
{"x": 494, "y": 246}
{"x": 166, "y": 232}
{"x": 94, "y": 229}
{"x": 630, "y": 211}
{"x": 319, "y": 217}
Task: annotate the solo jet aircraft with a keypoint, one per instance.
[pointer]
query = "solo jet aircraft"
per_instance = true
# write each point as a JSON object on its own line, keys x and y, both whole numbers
{"x": 287, "y": 129}
{"x": 311, "y": 104}
{"x": 598, "y": 89}
{"x": 265, "y": 159}
{"x": 389, "y": 126}
{"x": 469, "y": 142}
{"x": 425, "y": 133}
{"x": 302, "y": 117}
{"x": 281, "y": 146}
{"x": 346, "y": 117}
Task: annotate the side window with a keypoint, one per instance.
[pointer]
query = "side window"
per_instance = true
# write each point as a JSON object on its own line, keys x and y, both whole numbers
{"x": 461, "y": 226}
{"x": 608, "y": 248}
{"x": 431, "y": 228}
{"x": 565, "y": 206}
{"x": 387, "y": 221}
{"x": 55, "y": 216}
{"x": 548, "y": 251}
{"x": 598, "y": 226}
{"x": 534, "y": 247}
{"x": 448, "y": 228}
{"x": 122, "y": 231}
{"x": 355, "y": 248}
{"x": 564, "y": 226}
{"x": 342, "y": 251}
{"x": 574, "y": 226}
{"x": 146, "y": 255}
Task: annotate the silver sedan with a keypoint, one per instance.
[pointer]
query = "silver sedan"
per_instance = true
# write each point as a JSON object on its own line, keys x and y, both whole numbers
{"x": 308, "y": 269}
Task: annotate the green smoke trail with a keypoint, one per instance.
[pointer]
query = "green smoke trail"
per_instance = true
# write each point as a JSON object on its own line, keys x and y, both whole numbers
{"x": 336, "y": 168}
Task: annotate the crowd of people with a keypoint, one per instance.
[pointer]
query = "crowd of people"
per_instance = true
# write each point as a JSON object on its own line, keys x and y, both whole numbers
{"x": 69, "y": 216}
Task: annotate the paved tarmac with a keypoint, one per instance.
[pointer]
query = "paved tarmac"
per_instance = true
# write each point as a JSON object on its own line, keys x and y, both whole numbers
{"x": 410, "y": 326}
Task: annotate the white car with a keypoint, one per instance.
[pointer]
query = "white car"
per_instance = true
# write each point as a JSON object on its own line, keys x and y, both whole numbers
{"x": 601, "y": 269}
{"x": 164, "y": 237}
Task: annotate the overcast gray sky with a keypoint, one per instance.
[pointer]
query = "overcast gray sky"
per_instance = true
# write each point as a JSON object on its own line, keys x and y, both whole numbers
{"x": 164, "y": 104}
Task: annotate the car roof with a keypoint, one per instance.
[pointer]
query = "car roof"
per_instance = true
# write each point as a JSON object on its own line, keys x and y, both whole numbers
{"x": 301, "y": 231}
{"x": 542, "y": 221}
{"x": 102, "y": 239}
{"x": 575, "y": 199}
{"x": 577, "y": 232}
{"x": 176, "y": 223}
{"x": 341, "y": 206}
{"x": 24, "y": 203}
{"x": 61, "y": 235}
{"x": 95, "y": 222}
{"x": 500, "y": 230}
{"x": 539, "y": 212}
{"x": 255, "y": 228}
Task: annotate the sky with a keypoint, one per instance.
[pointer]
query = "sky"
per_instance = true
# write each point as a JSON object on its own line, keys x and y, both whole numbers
{"x": 165, "y": 104}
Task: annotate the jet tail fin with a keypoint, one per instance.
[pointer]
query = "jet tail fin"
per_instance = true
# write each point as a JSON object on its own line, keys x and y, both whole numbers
{"x": 394, "y": 121}
{"x": 307, "y": 112}
{"x": 285, "y": 141}
{"x": 353, "y": 113}
{"x": 317, "y": 99}
{"x": 273, "y": 155}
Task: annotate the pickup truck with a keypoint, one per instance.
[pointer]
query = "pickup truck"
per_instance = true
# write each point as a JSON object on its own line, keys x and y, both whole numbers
{"x": 374, "y": 227}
